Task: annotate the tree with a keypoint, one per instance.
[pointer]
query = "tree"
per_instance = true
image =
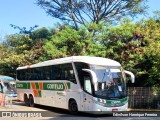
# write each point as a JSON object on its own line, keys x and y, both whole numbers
{"x": 3, "y": 52}
{"x": 18, "y": 43}
{"x": 10, "y": 60}
{"x": 42, "y": 33}
{"x": 70, "y": 42}
{"x": 22, "y": 30}
{"x": 84, "y": 11}
{"x": 153, "y": 58}
{"x": 21, "y": 49}
{"x": 124, "y": 44}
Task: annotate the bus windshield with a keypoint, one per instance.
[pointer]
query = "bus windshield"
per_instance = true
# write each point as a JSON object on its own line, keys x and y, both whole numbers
{"x": 110, "y": 82}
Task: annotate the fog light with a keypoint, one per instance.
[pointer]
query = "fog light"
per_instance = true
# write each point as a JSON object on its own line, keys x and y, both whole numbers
{"x": 99, "y": 110}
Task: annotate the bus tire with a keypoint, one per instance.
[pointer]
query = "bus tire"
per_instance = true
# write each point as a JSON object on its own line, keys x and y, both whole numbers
{"x": 73, "y": 108}
{"x": 31, "y": 101}
{"x": 26, "y": 100}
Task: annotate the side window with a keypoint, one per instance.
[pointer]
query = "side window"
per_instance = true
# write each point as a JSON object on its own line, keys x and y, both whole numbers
{"x": 87, "y": 84}
{"x": 68, "y": 72}
{"x": 38, "y": 73}
{"x": 47, "y": 73}
{"x": 56, "y": 72}
{"x": 32, "y": 74}
{"x": 79, "y": 66}
{"x": 27, "y": 74}
{"x": 1, "y": 90}
{"x": 22, "y": 74}
{"x": 63, "y": 72}
{"x": 41, "y": 73}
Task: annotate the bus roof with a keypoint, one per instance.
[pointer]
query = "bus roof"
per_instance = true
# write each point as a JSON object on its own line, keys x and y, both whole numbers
{"x": 85, "y": 59}
{"x": 6, "y": 78}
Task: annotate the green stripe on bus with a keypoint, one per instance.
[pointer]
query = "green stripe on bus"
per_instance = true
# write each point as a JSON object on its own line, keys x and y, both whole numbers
{"x": 113, "y": 101}
{"x": 39, "y": 93}
{"x": 23, "y": 85}
{"x": 69, "y": 85}
{"x": 37, "y": 85}
{"x": 58, "y": 86}
{"x": 116, "y": 101}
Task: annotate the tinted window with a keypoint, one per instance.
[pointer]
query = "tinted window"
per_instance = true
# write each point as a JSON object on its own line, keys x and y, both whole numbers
{"x": 79, "y": 66}
{"x": 63, "y": 72}
{"x": 47, "y": 72}
{"x": 68, "y": 73}
{"x": 21, "y": 74}
{"x": 1, "y": 89}
{"x": 54, "y": 72}
{"x": 32, "y": 75}
{"x": 40, "y": 74}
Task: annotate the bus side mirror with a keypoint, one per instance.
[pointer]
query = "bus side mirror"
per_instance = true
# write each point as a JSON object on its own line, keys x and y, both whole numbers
{"x": 131, "y": 75}
{"x": 94, "y": 77}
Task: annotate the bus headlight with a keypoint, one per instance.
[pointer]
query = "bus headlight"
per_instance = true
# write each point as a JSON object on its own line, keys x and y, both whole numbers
{"x": 99, "y": 110}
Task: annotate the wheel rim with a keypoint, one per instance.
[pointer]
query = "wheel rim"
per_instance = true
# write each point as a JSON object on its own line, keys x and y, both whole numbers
{"x": 73, "y": 107}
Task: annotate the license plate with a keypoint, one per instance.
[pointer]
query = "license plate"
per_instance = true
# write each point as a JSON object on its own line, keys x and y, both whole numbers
{"x": 114, "y": 110}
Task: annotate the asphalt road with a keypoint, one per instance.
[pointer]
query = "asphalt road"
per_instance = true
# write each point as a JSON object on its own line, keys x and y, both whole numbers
{"x": 21, "y": 112}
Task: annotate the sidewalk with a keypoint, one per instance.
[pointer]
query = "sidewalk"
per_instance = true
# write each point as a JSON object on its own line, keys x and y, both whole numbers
{"x": 143, "y": 110}
{"x": 18, "y": 106}
{"x": 16, "y": 110}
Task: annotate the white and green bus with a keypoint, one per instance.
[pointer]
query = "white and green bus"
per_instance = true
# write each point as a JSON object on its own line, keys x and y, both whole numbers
{"x": 77, "y": 83}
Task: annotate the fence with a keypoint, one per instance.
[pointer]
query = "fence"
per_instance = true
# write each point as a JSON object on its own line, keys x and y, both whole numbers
{"x": 143, "y": 97}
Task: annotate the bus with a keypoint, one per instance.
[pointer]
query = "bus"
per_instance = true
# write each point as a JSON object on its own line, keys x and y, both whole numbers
{"x": 7, "y": 86}
{"x": 76, "y": 83}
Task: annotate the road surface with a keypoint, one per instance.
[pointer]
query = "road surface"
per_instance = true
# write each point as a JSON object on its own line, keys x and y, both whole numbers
{"x": 18, "y": 111}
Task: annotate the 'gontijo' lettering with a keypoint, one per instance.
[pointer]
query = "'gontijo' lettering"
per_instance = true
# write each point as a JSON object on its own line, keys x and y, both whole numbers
{"x": 55, "y": 86}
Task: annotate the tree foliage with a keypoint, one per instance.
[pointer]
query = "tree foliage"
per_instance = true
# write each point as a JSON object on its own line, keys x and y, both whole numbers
{"x": 153, "y": 58}
{"x": 70, "y": 42}
{"x": 85, "y": 11}
{"x": 18, "y": 43}
{"x": 19, "y": 50}
{"x": 23, "y": 30}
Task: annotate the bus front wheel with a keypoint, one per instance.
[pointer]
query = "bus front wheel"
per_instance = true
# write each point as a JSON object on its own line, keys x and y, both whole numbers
{"x": 73, "y": 108}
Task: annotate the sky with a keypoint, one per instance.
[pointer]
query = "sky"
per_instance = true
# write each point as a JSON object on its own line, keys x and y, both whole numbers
{"x": 25, "y": 13}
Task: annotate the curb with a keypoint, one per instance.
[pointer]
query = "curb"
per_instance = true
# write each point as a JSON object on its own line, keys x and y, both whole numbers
{"x": 143, "y": 110}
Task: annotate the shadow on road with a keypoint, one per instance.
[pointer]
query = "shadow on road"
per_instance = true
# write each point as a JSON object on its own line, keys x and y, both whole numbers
{"x": 57, "y": 112}
{"x": 66, "y": 113}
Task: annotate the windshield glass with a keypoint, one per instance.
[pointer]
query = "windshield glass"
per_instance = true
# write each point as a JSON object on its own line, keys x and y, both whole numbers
{"x": 110, "y": 82}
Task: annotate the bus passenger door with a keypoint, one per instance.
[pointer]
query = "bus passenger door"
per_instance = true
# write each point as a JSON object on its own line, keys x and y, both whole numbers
{"x": 87, "y": 94}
